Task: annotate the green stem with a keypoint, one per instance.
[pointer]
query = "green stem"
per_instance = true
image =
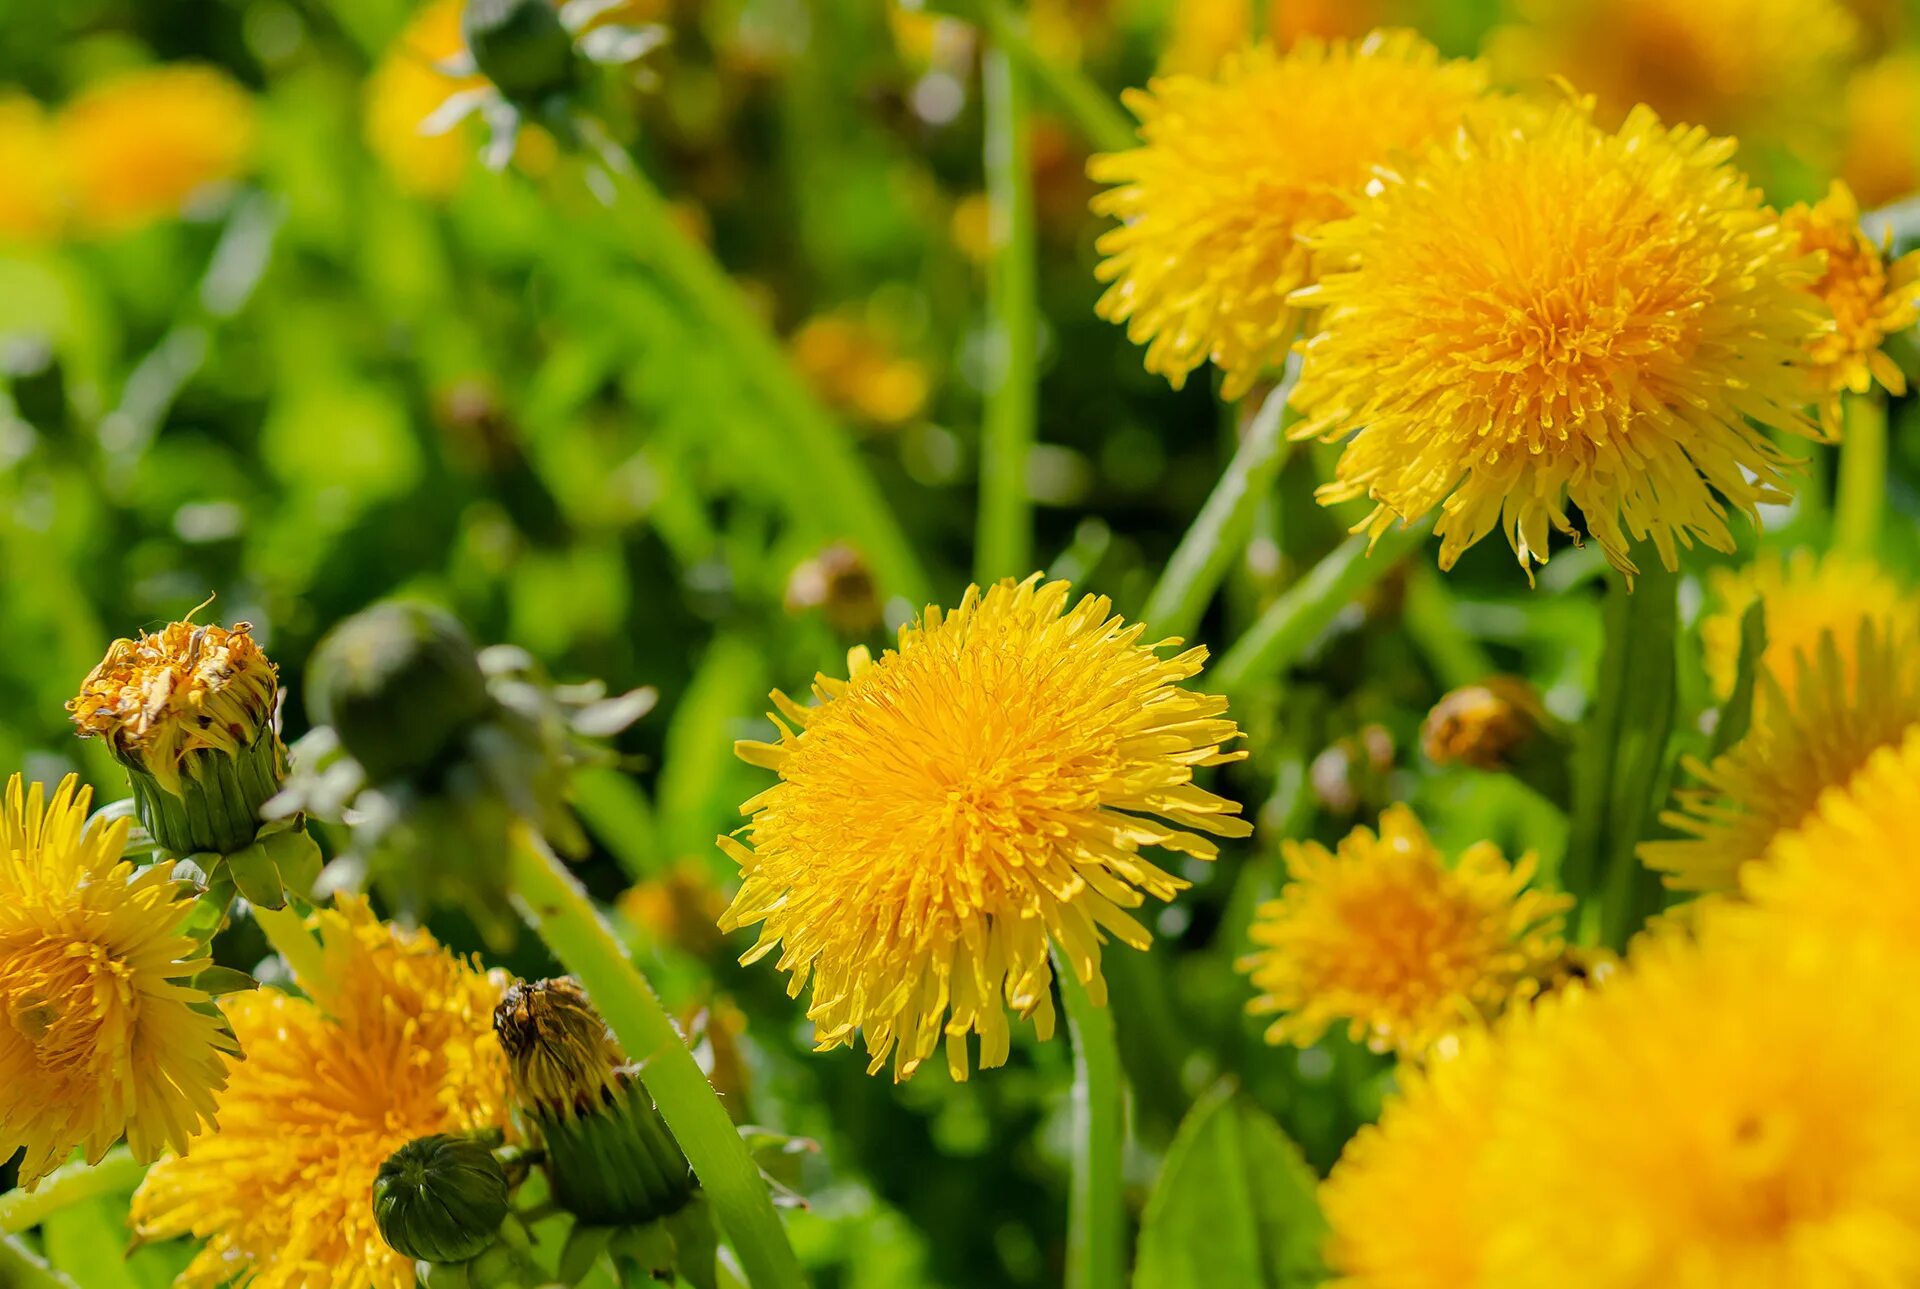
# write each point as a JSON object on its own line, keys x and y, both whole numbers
{"x": 832, "y": 490}
{"x": 1309, "y": 606}
{"x": 1096, "y": 1214}
{"x": 1432, "y": 617}
{"x": 67, "y": 1185}
{"x": 21, "y": 1268}
{"x": 1861, "y": 494}
{"x": 1004, "y": 546}
{"x": 287, "y": 932}
{"x": 1219, "y": 532}
{"x": 558, "y": 908}
{"x": 1086, "y": 104}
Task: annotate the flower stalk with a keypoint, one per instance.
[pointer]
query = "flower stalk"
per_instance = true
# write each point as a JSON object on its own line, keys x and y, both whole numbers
{"x": 557, "y": 907}
{"x": 1861, "y": 493}
{"x": 1005, "y": 542}
{"x": 1096, "y": 1212}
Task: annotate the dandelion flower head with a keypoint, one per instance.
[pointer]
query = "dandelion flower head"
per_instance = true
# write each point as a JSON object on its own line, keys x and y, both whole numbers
{"x": 31, "y": 199}
{"x": 1880, "y": 160}
{"x": 1232, "y": 173}
{"x": 1805, "y": 596}
{"x": 1870, "y": 295}
{"x": 1544, "y": 312}
{"x": 1382, "y": 934}
{"x": 399, "y": 1045}
{"x": 1808, "y": 734}
{"x": 101, "y": 1033}
{"x": 970, "y": 800}
{"x": 139, "y": 144}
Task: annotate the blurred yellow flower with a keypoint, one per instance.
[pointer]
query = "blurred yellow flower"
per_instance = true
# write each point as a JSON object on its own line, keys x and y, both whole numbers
{"x": 1484, "y": 725}
{"x": 1402, "y": 1206}
{"x": 103, "y": 1032}
{"x": 1234, "y": 176}
{"x": 854, "y": 366}
{"x": 399, "y": 1043}
{"x": 1850, "y": 868}
{"x": 1542, "y": 312}
{"x": 1806, "y": 596}
{"x": 1383, "y": 935}
{"x": 1870, "y": 297}
{"x": 1203, "y": 34}
{"x": 31, "y": 199}
{"x": 966, "y": 803}
{"x": 1733, "y": 66}
{"x": 680, "y": 908}
{"x": 405, "y": 89}
{"x": 1736, "y": 1112}
{"x": 137, "y": 145}
{"x": 1810, "y": 733}
{"x": 1881, "y": 157}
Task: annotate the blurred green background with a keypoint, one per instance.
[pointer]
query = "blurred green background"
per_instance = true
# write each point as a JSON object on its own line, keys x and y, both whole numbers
{"x": 367, "y": 365}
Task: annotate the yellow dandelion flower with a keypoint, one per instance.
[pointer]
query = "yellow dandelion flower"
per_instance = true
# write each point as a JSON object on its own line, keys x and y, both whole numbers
{"x": 31, "y": 199}
{"x": 1807, "y": 736}
{"x": 855, "y": 366}
{"x": 101, "y": 1032}
{"x": 1232, "y": 174}
{"x": 1485, "y": 725}
{"x": 404, "y": 91}
{"x": 1543, "y": 312}
{"x": 1806, "y": 596}
{"x": 1400, "y": 1205}
{"x": 1730, "y": 65}
{"x": 1850, "y": 867}
{"x": 1870, "y": 297}
{"x": 399, "y": 1045}
{"x": 138, "y": 145}
{"x": 1734, "y": 1112}
{"x": 973, "y": 798}
{"x": 1382, "y": 934}
{"x": 1880, "y": 160}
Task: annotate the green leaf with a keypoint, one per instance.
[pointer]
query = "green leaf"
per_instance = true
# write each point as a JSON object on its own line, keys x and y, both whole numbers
{"x": 1234, "y": 1205}
{"x": 223, "y": 980}
{"x": 1737, "y": 713}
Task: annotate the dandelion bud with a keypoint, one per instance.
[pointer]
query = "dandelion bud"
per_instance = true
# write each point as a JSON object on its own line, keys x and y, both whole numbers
{"x": 520, "y": 46}
{"x": 1499, "y": 725}
{"x": 400, "y": 683}
{"x": 189, "y": 711}
{"x": 839, "y": 583}
{"x": 609, "y": 1155}
{"x": 440, "y": 1198}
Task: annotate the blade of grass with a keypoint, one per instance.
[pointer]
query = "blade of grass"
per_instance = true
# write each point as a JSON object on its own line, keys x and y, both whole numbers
{"x": 1090, "y": 108}
{"x": 1096, "y": 1215}
{"x": 1219, "y": 532}
{"x": 1294, "y": 621}
{"x": 558, "y": 908}
{"x": 832, "y": 490}
{"x": 22, "y": 1268}
{"x": 1003, "y": 546}
{"x": 69, "y": 1184}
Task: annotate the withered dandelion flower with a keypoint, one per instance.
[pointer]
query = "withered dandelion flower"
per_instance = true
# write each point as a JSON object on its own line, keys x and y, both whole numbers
{"x": 1383, "y": 935}
{"x": 964, "y": 803}
{"x": 400, "y": 1046}
{"x": 1543, "y": 312}
{"x": 101, "y": 1031}
{"x": 1233, "y": 173}
{"x": 1809, "y": 734}
{"x": 1871, "y": 295}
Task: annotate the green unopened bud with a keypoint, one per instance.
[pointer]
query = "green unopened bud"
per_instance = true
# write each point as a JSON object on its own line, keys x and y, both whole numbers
{"x": 440, "y": 1198}
{"x": 400, "y": 683}
{"x": 609, "y": 1155}
{"x": 520, "y": 46}
{"x": 189, "y": 711}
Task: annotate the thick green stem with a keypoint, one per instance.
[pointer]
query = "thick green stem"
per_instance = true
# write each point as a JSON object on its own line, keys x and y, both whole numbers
{"x": 1219, "y": 532}
{"x": 69, "y": 1184}
{"x": 831, "y": 487}
{"x": 287, "y": 932}
{"x": 556, "y": 906}
{"x": 1088, "y": 106}
{"x": 1096, "y": 1213}
{"x": 1861, "y": 495}
{"x": 21, "y": 1268}
{"x": 1309, "y": 606}
{"x": 1004, "y": 545}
